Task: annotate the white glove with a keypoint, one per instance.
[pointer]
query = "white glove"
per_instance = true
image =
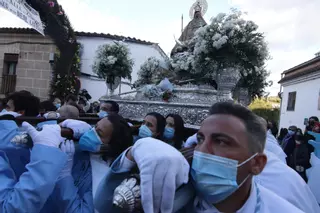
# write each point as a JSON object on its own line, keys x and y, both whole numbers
{"x": 78, "y": 127}
{"x": 191, "y": 141}
{"x": 51, "y": 115}
{"x": 162, "y": 170}
{"x": 49, "y": 136}
{"x": 68, "y": 148}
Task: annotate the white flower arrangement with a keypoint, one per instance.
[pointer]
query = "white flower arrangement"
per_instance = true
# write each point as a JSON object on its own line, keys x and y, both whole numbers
{"x": 113, "y": 60}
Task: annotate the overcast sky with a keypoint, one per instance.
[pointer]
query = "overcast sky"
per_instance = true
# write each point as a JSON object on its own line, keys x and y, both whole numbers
{"x": 291, "y": 26}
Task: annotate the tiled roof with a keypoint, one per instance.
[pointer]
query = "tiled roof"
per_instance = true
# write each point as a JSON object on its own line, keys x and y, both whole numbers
{"x": 305, "y": 68}
{"x": 84, "y": 34}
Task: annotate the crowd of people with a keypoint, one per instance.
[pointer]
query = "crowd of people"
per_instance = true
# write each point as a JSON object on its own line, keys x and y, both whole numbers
{"x": 238, "y": 164}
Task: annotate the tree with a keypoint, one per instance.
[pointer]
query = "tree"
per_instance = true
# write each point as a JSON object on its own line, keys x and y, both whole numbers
{"x": 148, "y": 72}
{"x": 255, "y": 82}
{"x": 112, "y": 61}
{"x": 58, "y": 27}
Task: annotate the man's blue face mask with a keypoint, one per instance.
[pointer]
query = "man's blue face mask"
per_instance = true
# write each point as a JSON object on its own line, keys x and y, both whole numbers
{"x": 214, "y": 177}
{"x": 102, "y": 114}
{"x": 144, "y": 132}
{"x": 90, "y": 141}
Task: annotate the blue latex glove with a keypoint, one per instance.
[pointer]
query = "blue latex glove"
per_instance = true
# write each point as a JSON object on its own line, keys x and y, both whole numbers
{"x": 316, "y": 146}
{"x": 315, "y": 135}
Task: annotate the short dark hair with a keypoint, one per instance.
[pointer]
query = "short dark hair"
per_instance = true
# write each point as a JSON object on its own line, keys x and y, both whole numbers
{"x": 179, "y": 130}
{"x": 71, "y": 97}
{"x": 161, "y": 123}
{"x": 254, "y": 126}
{"x": 315, "y": 118}
{"x": 25, "y": 101}
{"x": 114, "y": 106}
{"x": 121, "y": 138}
{"x": 47, "y": 106}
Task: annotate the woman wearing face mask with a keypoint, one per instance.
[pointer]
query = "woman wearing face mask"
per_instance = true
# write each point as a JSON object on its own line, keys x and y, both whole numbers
{"x": 153, "y": 126}
{"x": 174, "y": 130}
{"x": 95, "y": 152}
{"x": 288, "y": 144}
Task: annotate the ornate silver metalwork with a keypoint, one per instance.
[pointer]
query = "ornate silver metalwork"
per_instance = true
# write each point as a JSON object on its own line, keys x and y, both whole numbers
{"x": 191, "y": 102}
{"x": 127, "y": 195}
{"x": 20, "y": 139}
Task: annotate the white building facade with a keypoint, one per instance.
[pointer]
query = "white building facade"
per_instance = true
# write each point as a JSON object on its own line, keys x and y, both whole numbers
{"x": 140, "y": 52}
{"x": 300, "y": 94}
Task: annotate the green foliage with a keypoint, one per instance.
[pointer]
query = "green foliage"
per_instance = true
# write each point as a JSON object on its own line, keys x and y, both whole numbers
{"x": 65, "y": 84}
{"x": 58, "y": 27}
{"x": 113, "y": 60}
{"x": 265, "y": 108}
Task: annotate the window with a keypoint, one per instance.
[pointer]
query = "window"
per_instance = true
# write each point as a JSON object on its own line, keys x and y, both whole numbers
{"x": 10, "y": 64}
{"x": 291, "y": 101}
{"x": 9, "y": 77}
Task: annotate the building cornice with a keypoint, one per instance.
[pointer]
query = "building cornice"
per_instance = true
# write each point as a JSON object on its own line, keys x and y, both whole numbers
{"x": 303, "y": 78}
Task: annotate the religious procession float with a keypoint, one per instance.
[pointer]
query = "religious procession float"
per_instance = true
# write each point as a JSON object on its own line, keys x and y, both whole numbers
{"x": 223, "y": 60}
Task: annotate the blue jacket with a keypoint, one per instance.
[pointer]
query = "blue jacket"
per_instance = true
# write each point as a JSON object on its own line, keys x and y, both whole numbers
{"x": 29, "y": 192}
{"x": 70, "y": 194}
{"x": 73, "y": 194}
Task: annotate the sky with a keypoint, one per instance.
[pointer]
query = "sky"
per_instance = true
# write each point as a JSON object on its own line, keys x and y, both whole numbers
{"x": 290, "y": 26}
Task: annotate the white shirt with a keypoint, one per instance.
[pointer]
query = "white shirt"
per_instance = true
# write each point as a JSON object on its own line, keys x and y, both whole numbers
{"x": 314, "y": 176}
{"x": 270, "y": 203}
{"x": 286, "y": 183}
{"x": 273, "y": 146}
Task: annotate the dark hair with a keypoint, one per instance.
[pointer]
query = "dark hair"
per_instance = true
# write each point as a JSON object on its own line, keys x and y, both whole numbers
{"x": 121, "y": 138}
{"x": 26, "y": 102}
{"x": 274, "y": 129}
{"x": 314, "y": 118}
{"x": 253, "y": 123}
{"x": 3, "y": 103}
{"x": 47, "y": 106}
{"x": 114, "y": 106}
{"x": 283, "y": 133}
{"x": 161, "y": 123}
{"x": 71, "y": 97}
{"x": 179, "y": 130}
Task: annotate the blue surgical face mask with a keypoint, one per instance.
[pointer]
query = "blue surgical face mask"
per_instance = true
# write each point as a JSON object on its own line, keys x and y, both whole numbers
{"x": 102, "y": 114}
{"x": 168, "y": 133}
{"x": 58, "y": 106}
{"x": 144, "y": 132}
{"x": 90, "y": 141}
{"x": 290, "y": 132}
{"x": 214, "y": 177}
{"x": 4, "y": 110}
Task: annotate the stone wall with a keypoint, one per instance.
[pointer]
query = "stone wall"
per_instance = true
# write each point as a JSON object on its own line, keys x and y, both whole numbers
{"x": 33, "y": 68}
